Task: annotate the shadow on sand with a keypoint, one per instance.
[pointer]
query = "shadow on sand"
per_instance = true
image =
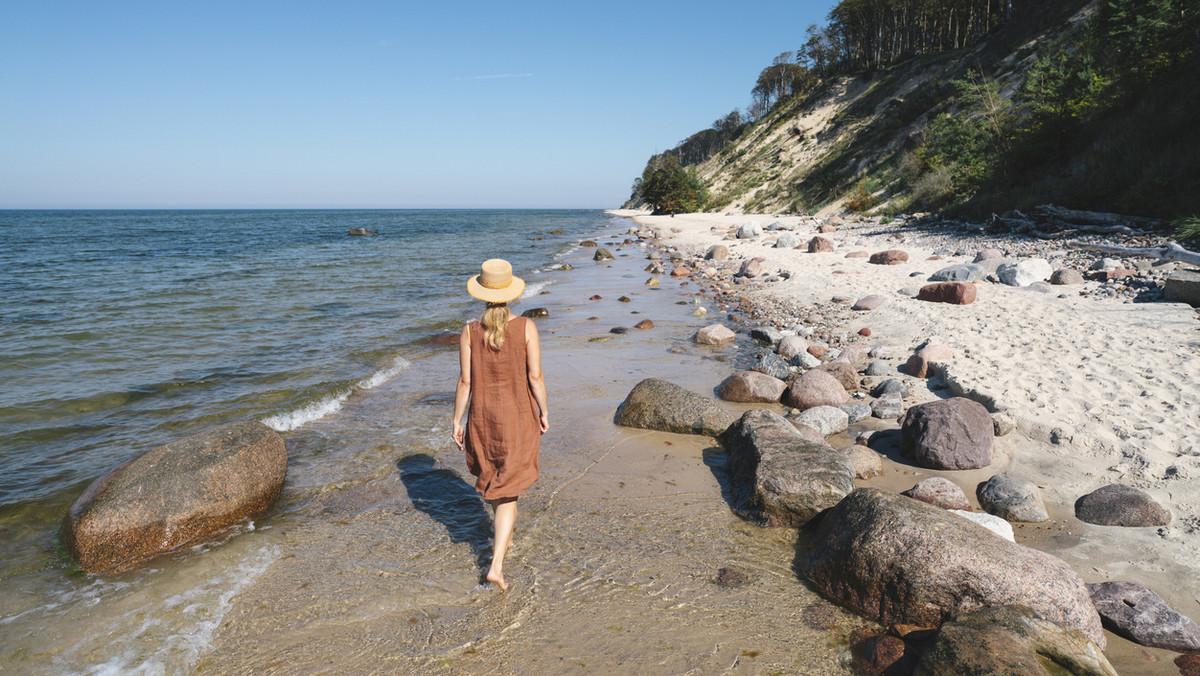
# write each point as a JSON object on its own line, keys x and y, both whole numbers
{"x": 448, "y": 499}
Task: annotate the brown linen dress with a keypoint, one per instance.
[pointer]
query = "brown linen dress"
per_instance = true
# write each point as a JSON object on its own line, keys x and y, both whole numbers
{"x": 503, "y": 435}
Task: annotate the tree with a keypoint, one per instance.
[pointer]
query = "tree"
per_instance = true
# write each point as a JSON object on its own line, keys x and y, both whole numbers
{"x": 669, "y": 188}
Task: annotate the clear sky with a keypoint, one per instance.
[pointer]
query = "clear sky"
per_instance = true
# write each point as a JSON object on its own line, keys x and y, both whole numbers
{"x": 366, "y": 104}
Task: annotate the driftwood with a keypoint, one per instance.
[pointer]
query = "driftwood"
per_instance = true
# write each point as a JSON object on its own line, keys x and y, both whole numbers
{"x": 1051, "y": 222}
{"x": 1168, "y": 251}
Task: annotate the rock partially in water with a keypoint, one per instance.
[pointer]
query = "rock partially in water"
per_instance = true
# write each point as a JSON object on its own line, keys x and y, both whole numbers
{"x": 731, "y": 578}
{"x": 182, "y": 493}
{"x": 779, "y": 475}
{"x": 1011, "y": 640}
{"x": 655, "y": 404}
{"x": 898, "y": 560}
{"x": 602, "y": 254}
{"x": 953, "y": 433}
{"x": 361, "y": 232}
{"x": 536, "y": 313}
{"x": 644, "y": 324}
{"x": 773, "y": 365}
{"x": 751, "y": 387}
{"x": 714, "y": 334}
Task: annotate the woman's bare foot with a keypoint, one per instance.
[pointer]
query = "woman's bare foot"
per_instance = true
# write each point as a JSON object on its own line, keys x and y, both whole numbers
{"x": 497, "y": 579}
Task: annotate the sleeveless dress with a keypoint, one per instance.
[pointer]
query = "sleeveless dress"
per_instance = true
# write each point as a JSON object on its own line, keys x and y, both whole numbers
{"x": 503, "y": 436}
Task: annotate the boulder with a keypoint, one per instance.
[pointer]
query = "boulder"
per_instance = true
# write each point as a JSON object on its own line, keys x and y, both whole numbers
{"x": 717, "y": 252}
{"x": 889, "y": 257}
{"x": 1025, "y": 272}
{"x": 765, "y": 335}
{"x": 843, "y": 372}
{"x": 790, "y": 346}
{"x": 1065, "y": 277}
{"x": 1183, "y": 286}
{"x": 865, "y": 462}
{"x": 891, "y": 386}
{"x": 1137, "y": 613}
{"x": 871, "y": 302}
{"x": 179, "y": 494}
{"x": 988, "y": 254}
{"x": 644, "y": 324}
{"x": 602, "y": 254}
{"x": 751, "y": 387}
{"x": 1011, "y": 640}
{"x": 954, "y": 293}
{"x": 953, "y": 433}
{"x": 898, "y": 560}
{"x": 749, "y": 230}
{"x": 993, "y": 523}
{"x": 655, "y": 404}
{"x": 774, "y": 366}
{"x": 1120, "y": 505}
{"x": 1012, "y": 499}
{"x": 787, "y": 240}
{"x": 887, "y": 407}
{"x": 965, "y": 272}
{"x": 820, "y": 245}
{"x": 536, "y": 313}
{"x": 780, "y": 476}
{"x": 878, "y": 368}
{"x": 752, "y": 268}
{"x": 714, "y": 334}
{"x": 826, "y": 420}
{"x": 939, "y": 492}
{"x": 815, "y": 388}
{"x": 918, "y": 364}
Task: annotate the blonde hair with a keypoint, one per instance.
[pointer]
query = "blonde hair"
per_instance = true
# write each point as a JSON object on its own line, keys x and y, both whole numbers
{"x": 495, "y": 324}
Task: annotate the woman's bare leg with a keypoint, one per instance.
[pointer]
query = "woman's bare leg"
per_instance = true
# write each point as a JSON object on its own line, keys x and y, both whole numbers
{"x": 505, "y": 518}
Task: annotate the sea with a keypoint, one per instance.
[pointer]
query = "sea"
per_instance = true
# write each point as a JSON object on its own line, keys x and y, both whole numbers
{"x": 124, "y": 330}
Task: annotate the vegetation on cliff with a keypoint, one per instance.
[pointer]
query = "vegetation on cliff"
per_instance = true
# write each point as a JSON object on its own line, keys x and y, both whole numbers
{"x": 967, "y": 106}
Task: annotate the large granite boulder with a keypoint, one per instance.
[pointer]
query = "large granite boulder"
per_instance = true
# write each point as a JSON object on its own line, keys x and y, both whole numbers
{"x": 1011, "y": 640}
{"x": 1183, "y": 286}
{"x": 751, "y": 387}
{"x": 1025, "y": 271}
{"x": 951, "y": 433}
{"x": 963, "y": 272}
{"x": 1137, "y": 613}
{"x": 183, "y": 493}
{"x": 898, "y": 560}
{"x": 1121, "y": 505}
{"x": 953, "y": 293}
{"x": 714, "y": 334}
{"x": 815, "y": 388}
{"x": 780, "y": 476}
{"x": 655, "y": 404}
{"x": 1012, "y": 499}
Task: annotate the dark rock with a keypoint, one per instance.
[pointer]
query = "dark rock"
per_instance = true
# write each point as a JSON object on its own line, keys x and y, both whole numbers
{"x": 881, "y": 655}
{"x": 890, "y": 386}
{"x": 602, "y": 254}
{"x": 644, "y": 324}
{"x": 596, "y": 297}
{"x": 619, "y": 330}
{"x": 1131, "y": 610}
{"x": 765, "y": 335}
{"x": 954, "y": 293}
{"x": 777, "y": 474}
{"x": 624, "y": 299}
{"x": 751, "y": 387}
{"x": 446, "y": 338}
{"x": 898, "y": 560}
{"x": 1120, "y": 505}
{"x": 939, "y": 492}
{"x": 951, "y": 433}
{"x": 185, "y": 492}
{"x": 655, "y": 404}
{"x": 1188, "y": 665}
{"x": 966, "y": 272}
{"x": 774, "y": 366}
{"x": 588, "y": 243}
{"x": 1012, "y": 499}
{"x": 815, "y": 388}
{"x": 820, "y": 245}
{"x": 362, "y": 232}
{"x": 889, "y": 257}
{"x": 731, "y": 578}
{"x": 536, "y": 313}
{"x": 1011, "y": 640}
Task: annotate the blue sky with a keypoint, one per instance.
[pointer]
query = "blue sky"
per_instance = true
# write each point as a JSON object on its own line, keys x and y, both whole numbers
{"x": 365, "y": 104}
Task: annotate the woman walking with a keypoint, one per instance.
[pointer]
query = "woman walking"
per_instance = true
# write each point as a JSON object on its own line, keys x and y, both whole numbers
{"x": 500, "y": 362}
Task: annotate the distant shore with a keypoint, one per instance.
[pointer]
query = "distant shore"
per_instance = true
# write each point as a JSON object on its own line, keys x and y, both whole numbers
{"x": 1102, "y": 390}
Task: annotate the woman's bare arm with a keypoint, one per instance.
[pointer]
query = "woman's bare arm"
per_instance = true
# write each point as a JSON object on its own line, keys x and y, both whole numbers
{"x": 533, "y": 366}
{"x": 463, "y": 392}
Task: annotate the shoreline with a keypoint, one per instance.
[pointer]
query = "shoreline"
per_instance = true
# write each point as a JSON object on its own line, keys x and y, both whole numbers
{"x": 1101, "y": 388}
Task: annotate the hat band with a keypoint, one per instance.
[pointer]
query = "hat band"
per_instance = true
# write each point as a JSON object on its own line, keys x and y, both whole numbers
{"x": 489, "y": 284}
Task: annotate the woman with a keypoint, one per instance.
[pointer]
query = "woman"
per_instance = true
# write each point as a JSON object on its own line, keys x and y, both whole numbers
{"x": 500, "y": 364}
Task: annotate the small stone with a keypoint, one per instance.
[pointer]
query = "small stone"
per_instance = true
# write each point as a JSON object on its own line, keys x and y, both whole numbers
{"x": 681, "y": 271}
{"x": 536, "y": 313}
{"x": 864, "y": 332}
{"x": 1002, "y": 424}
{"x": 602, "y": 254}
{"x": 644, "y": 324}
{"x": 871, "y": 302}
{"x": 596, "y": 298}
{"x": 624, "y": 299}
{"x": 652, "y": 282}
{"x": 714, "y": 334}
{"x": 1066, "y": 276}
{"x": 619, "y": 330}
{"x": 731, "y": 578}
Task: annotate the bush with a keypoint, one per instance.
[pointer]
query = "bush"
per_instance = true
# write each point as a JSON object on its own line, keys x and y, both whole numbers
{"x": 1187, "y": 228}
{"x": 861, "y": 199}
{"x": 933, "y": 189}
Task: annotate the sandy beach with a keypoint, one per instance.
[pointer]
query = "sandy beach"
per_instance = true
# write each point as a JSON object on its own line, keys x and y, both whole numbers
{"x": 1102, "y": 390}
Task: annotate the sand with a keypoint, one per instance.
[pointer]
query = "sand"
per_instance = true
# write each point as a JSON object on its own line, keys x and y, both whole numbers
{"x": 1102, "y": 390}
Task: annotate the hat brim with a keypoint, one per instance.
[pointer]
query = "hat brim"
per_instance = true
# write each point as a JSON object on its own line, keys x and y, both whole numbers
{"x": 509, "y": 293}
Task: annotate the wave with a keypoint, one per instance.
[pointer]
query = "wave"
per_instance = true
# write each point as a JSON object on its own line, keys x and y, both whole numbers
{"x": 535, "y": 288}
{"x": 284, "y": 422}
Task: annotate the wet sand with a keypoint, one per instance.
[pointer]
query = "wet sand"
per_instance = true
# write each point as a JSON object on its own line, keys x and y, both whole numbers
{"x": 617, "y": 547}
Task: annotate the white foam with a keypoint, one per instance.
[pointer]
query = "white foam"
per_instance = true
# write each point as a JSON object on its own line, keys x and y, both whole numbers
{"x": 535, "y": 288}
{"x": 291, "y": 420}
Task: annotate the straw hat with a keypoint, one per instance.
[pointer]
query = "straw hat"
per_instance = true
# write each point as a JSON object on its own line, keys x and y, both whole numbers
{"x": 495, "y": 282}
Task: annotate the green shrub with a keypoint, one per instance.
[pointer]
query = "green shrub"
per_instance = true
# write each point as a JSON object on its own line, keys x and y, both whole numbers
{"x": 1187, "y": 228}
